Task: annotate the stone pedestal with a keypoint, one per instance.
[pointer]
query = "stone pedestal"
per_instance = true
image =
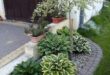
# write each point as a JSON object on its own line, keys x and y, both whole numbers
{"x": 31, "y": 49}
{"x": 54, "y": 27}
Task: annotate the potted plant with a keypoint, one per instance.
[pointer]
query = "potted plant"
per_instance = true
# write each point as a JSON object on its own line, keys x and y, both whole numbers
{"x": 57, "y": 12}
{"x": 52, "y": 8}
{"x": 57, "y": 16}
{"x": 39, "y": 32}
{"x": 37, "y": 35}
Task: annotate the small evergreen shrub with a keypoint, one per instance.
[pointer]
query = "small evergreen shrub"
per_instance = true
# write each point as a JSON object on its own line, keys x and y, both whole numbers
{"x": 57, "y": 65}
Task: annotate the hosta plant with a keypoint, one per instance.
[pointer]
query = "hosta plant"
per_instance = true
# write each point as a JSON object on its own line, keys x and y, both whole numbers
{"x": 30, "y": 67}
{"x": 64, "y": 31}
{"x": 80, "y": 44}
{"x": 57, "y": 65}
{"x": 54, "y": 44}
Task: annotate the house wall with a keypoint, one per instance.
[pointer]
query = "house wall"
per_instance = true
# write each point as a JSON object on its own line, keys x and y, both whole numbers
{"x": 90, "y": 12}
{"x": 2, "y": 10}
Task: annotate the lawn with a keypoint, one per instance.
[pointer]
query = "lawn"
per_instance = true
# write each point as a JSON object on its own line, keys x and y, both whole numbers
{"x": 103, "y": 40}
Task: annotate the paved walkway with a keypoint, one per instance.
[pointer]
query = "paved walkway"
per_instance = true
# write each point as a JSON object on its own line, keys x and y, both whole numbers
{"x": 11, "y": 38}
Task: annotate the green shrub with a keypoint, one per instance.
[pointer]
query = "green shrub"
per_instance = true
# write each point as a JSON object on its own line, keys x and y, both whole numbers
{"x": 80, "y": 44}
{"x": 64, "y": 31}
{"x": 53, "y": 44}
{"x": 57, "y": 65}
{"x": 30, "y": 67}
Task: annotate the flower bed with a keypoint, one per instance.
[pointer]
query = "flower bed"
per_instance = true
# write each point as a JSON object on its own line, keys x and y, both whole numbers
{"x": 87, "y": 63}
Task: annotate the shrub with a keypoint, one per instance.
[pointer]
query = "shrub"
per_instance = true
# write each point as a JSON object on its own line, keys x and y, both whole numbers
{"x": 64, "y": 31}
{"x": 80, "y": 44}
{"x": 53, "y": 44}
{"x": 30, "y": 67}
{"x": 57, "y": 65}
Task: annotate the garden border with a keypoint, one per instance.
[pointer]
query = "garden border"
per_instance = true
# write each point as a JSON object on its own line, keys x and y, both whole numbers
{"x": 93, "y": 62}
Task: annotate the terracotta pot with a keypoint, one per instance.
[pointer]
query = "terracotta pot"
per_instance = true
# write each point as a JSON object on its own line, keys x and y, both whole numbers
{"x": 37, "y": 39}
{"x": 57, "y": 20}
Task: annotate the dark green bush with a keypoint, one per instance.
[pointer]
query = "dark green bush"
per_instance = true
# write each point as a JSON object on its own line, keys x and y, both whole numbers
{"x": 30, "y": 67}
{"x": 54, "y": 44}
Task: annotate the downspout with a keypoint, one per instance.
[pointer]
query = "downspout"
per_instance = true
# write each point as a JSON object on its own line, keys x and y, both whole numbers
{"x": 81, "y": 19}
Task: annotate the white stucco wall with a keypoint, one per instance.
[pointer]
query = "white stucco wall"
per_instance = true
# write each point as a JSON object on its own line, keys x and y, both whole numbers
{"x": 90, "y": 12}
{"x": 2, "y": 10}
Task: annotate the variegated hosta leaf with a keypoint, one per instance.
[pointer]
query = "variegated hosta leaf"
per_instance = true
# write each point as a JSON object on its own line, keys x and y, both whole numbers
{"x": 57, "y": 65}
{"x": 54, "y": 44}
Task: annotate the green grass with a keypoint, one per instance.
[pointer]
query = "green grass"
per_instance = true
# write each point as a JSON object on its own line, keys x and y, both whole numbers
{"x": 104, "y": 41}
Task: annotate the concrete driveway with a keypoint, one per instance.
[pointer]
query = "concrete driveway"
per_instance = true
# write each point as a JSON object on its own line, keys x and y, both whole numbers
{"x": 11, "y": 38}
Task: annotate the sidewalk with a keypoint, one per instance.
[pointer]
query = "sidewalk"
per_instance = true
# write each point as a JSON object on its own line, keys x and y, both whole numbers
{"x": 11, "y": 38}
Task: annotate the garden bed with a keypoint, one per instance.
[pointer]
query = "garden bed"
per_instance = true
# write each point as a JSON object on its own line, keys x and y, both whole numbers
{"x": 87, "y": 63}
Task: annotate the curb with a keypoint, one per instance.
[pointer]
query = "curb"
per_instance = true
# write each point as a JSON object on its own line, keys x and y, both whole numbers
{"x": 11, "y": 56}
{"x": 16, "y": 23}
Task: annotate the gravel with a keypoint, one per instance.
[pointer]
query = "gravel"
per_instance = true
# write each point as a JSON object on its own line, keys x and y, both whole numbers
{"x": 87, "y": 63}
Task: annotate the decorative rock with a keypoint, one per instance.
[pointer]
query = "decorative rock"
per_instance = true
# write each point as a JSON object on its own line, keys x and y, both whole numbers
{"x": 87, "y": 63}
